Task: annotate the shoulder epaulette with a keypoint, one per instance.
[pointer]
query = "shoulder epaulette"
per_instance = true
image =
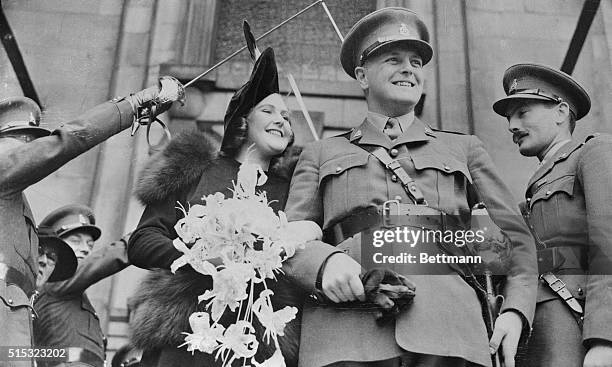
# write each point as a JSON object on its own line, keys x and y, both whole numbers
{"x": 447, "y": 131}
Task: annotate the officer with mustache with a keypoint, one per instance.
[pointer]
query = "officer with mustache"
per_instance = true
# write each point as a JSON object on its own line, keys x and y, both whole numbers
{"x": 568, "y": 209}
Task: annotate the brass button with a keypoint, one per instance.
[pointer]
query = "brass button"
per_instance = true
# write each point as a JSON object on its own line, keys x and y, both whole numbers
{"x": 398, "y": 198}
{"x": 338, "y": 169}
{"x": 580, "y": 291}
{"x": 394, "y": 178}
{"x": 447, "y": 168}
{"x": 548, "y": 192}
{"x": 10, "y": 301}
{"x": 394, "y": 152}
{"x": 413, "y": 188}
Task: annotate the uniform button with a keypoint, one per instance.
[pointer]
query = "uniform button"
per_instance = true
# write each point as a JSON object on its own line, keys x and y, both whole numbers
{"x": 412, "y": 188}
{"x": 394, "y": 152}
{"x": 394, "y": 178}
{"x": 580, "y": 291}
{"x": 10, "y": 301}
{"x": 447, "y": 168}
{"x": 398, "y": 198}
{"x": 338, "y": 169}
{"x": 548, "y": 192}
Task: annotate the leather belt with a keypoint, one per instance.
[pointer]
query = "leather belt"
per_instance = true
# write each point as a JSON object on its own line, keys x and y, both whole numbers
{"x": 551, "y": 259}
{"x": 14, "y": 276}
{"x": 393, "y": 214}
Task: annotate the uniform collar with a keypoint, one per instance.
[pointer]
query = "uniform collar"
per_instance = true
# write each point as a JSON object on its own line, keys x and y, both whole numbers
{"x": 561, "y": 154}
{"x": 380, "y": 121}
{"x": 368, "y": 133}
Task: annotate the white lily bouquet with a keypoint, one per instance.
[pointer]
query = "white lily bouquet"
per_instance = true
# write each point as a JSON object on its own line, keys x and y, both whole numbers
{"x": 250, "y": 242}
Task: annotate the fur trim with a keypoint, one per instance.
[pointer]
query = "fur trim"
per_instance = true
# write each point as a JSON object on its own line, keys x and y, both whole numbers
{"x": 183, "y": 161}
{"x": 178, "y": 166}
{"x": 164, "y": 301}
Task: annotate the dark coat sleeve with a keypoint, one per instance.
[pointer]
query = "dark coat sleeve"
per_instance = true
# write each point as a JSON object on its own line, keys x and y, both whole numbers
{"x": 595, "y": 173}
{"x": 522, "y": 278}
{"x": 105, "y": 261}
{"x": 30, "y": 163}
{"x": 150, "y": 245}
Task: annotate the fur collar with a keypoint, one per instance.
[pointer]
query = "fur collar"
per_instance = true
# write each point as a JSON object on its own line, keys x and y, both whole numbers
{"x": 179, "y": 165}
{"x": 183, "y": 161}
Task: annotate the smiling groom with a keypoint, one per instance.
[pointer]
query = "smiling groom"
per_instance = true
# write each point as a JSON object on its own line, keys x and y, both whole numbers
{"x": 342, "y": 184}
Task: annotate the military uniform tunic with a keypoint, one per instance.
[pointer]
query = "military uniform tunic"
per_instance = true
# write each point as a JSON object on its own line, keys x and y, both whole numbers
{"x": 336, "y": 177}
{"x": 24, "y": 166}
{"x": 568, "y": 206}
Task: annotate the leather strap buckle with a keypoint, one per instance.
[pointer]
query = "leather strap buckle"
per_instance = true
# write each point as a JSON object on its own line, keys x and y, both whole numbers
{"x": 387, "y": 212}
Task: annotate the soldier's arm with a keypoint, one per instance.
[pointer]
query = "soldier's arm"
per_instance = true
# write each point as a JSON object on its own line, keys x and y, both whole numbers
{"x": 521, "y": 281}
{"x": 101, "y": 263}
{"x": 31, "y": 162}
{"x": 306, "y": 203}
{"x": 595, "y": 174}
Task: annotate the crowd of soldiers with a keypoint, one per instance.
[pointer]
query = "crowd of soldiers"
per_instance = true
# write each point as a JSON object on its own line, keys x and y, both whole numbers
{"x": 557, "y": 308}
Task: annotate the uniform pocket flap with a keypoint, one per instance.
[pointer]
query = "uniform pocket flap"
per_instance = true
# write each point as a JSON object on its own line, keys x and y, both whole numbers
{"x": 563, "y": 184}
{"x": 338, "y": 165}
{"x": 86, "y": 305}
{"x": 445, "y": 164}
{"x": 13, "y": 296}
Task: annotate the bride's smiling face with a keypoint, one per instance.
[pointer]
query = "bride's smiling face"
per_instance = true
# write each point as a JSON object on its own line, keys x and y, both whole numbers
{"x": 269, "y": 126}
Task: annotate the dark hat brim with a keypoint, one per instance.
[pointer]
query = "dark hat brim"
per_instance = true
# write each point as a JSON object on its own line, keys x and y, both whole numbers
{"x": 262, "y": 83}
{"x": 94, "y": 231}
{"x": 423, "y": 48}
{"x": 67, "y": 262}
{"x": 547, "y": 81}
{"x": 501, "y": 106}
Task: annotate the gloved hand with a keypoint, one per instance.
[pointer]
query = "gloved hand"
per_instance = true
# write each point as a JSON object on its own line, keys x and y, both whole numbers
{"x": 150, "y": 102}
{"x": 168, "y": 90}
{"x": 390, "y": 291}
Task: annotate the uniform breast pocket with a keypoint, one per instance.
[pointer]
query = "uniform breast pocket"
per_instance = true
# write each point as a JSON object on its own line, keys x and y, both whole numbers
{"x": 91, "y": 328}
{"x": 443, "y": 180}
{"x": 344, "y": 182}
{"x": 552, "y": 205}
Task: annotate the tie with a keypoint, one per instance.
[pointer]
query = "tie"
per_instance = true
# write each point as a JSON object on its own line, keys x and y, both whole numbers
{"x": 392, "y": 128}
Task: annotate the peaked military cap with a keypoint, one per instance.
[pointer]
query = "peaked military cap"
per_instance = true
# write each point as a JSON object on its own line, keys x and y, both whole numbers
{"x": 540, "y": 82}
{"x": 380, "y": 28}
{"x": 70, "y": 218}
{"x": 66, "y": 259}
{"x": 262, "y": 83}
{"x": 21, "y": 114}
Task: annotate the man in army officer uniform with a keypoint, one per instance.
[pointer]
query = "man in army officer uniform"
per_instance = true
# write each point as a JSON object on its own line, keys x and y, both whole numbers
{"x": 29, "y": 153}
{"x": 338, "y": 178}
{"x": 569, "y": 211}
{"x": 66, "y": 317}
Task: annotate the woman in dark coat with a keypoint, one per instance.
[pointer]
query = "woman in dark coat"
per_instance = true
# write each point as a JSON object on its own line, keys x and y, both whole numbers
{"x": 257, "y": 125}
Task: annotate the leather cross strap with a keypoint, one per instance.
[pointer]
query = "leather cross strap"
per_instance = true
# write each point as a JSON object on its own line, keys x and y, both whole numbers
{"x": 560, "y": 288}
{"x": 409, "y": 185}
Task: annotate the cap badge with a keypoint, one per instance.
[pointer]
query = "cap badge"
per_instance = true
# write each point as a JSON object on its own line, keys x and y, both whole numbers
{"x": 82, "y": 219}
{"x": 513, "y": 86}
{"x": 404, "y": 30}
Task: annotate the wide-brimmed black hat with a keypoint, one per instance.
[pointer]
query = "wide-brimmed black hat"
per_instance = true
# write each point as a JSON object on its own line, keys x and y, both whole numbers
{"x": 540, "y": 82}
{"x": 70, "y": 218}
{"x": 66, "y": 259}
{"x": 381, "y": 28}
{"x": 262, "y": 83}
